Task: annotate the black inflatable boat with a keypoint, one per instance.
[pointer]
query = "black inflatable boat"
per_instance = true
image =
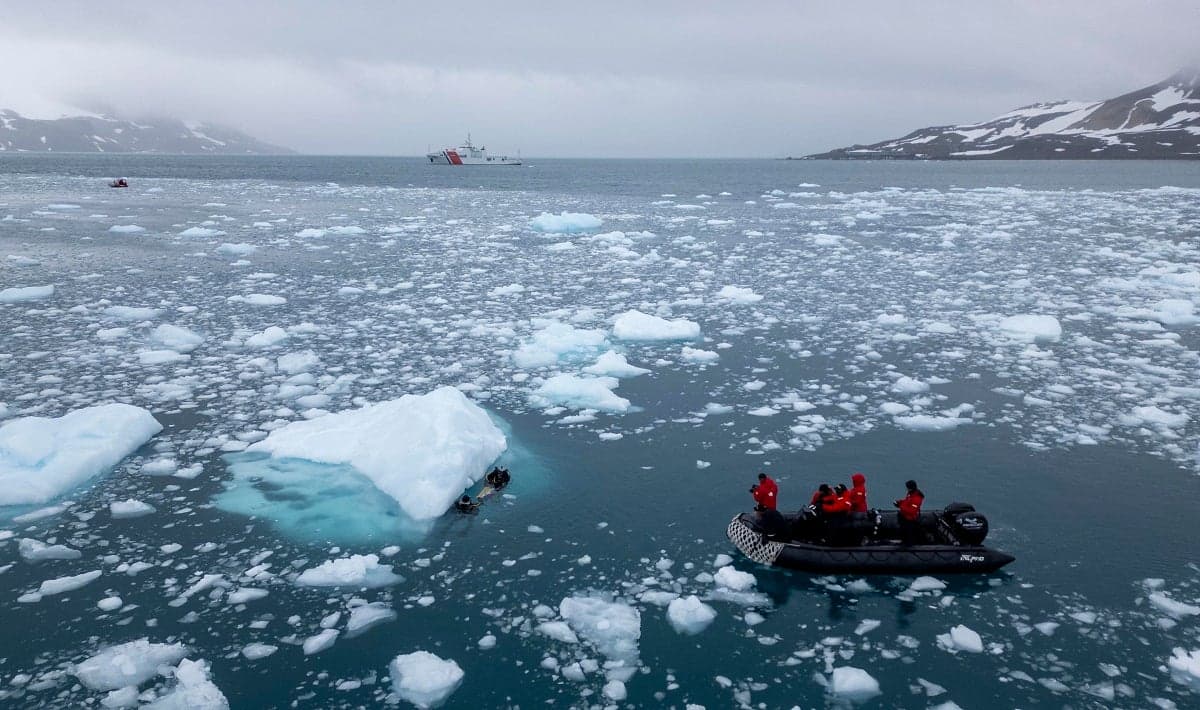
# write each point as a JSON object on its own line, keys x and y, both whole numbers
{"x": 942, "y": 542}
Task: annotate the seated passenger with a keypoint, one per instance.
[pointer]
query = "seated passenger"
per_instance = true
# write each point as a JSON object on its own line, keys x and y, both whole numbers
{"x": 910, "y": 513}
{"x": 830, "y": 504}
{"x": 858, "y": 493}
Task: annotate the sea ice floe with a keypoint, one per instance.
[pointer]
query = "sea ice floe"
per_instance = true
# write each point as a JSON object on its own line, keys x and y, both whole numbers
{"x": 614, "y": 364}
{"x": 734, "y": 579}
{"x": 36, "y": 551}
{"x": 689, "y": 615}
{"x": 131, "y": 663}
{"x": 738, "y": 294}
{"x": 352, "y": 571}
{"x": 611, "y": 627}
{"x": 580, "y": 393}
{"x": 853, "y": 683}
{"x": 961, "y": 638}
{"x": 424, "y": 679}
{"x": 176, "y": 338}
{"x": 130, "y": 508}
{"x": 42, "y": 458}
{"x": 1185, "y": 667}
{"x": 193, "y": 690}
{"x": 635, "y": 325}
{"x": 1031, "y": 328}
{"x": 565, "y": 223}
{"x": 554, "y": 342}
{"x": 25, "y": 293}
{"x": 442, "y": 441}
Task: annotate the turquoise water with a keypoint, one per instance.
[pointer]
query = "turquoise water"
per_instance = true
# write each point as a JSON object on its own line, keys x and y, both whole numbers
{"x": 869, "y": 273}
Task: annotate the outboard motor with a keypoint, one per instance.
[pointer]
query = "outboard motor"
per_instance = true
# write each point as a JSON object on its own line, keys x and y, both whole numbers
{"x": 968, "y": 526}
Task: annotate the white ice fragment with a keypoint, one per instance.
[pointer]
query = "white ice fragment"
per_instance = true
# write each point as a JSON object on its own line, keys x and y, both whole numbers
{"x": 580, "y": 393}
{"x": 352, "y": 571}
{"x": 270, "y": 337}
{"x": 1031, "y": 328}
{"x": 926, "y": 584}
{"x": 176, "y": 338}
{"x": 1170, "y": 607}
{"x": 193, "y": 690}
{"x": 368, "y": 616}
{"x": 635, "y": 325}
{"x": 558, "y": 630}
{"x": 255, "y": 651}
{"x": 565, "y": 223}
{"x": 320, "y": 641}
{"x": 130, "y": 508}
{"x": 424, "y": 679}
{"x": 126, "y": 664}
{"x": 36, "y": 551}
{"x": 852, "y": 683}
{"x": 739, "y": 295}
{"x": 614, "y": 364}
{"x": 961, "y": 638}
{"x": 734, "y": 579}
{"x": 26, "y": 293}
{"x": 689, "y": 615}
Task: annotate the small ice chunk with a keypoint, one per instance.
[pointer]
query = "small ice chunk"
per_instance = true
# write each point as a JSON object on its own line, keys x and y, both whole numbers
{"x": 368, "y": 616}
{"x": 130, "y": 508}
{"x": 194, "y": 690}
{"x": 854, "y": 684}
{"x": 320, "y": 641}
{"x": 25, "y": 293}
{"x": 559, "y": 631}
{"x": 962, "y": 638}
{"x": 926, "y": 584}
{"x": 635, "y": 325}
{"x": 565, "y": 223}
{"x": 126, "y": 664}
{"x": 352, "y": 571}
{"x": 734, "y": 579}
{"x": 109, "y": 603}
{"x": 689, "y": 615}
{"x": 424, "y": 679}
{"x": 614, "y": 364}
{"x": 255, "y": 651}
{"x": 36, "y": 551}
{"x": 1032, "y": 328}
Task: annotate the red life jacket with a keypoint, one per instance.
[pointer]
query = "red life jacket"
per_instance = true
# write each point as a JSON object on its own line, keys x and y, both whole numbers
{"x": 764, "y": 497}
{"x": 772, "y": 491}
{"x": 910, "y": 506}
{"x": 833, "y": 505}
{"x": 858, "y": 494}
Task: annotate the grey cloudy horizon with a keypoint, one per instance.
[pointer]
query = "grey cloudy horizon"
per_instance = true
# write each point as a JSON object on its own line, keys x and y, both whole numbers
{"x": 618, "y": 79}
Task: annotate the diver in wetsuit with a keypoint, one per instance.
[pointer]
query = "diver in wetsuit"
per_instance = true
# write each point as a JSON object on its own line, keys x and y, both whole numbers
{"x": 497, "y": 478}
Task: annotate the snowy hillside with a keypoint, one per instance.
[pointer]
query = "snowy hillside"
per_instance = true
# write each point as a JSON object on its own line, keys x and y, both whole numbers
{"x": 1161, "y": 121}
{"x": 103, "y": 134}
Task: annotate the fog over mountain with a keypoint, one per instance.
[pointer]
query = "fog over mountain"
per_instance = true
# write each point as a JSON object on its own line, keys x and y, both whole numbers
{"x": 613, "y": 79}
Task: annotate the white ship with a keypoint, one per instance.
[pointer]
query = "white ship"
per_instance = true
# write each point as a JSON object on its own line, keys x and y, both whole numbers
{"x": 468, "y": 154}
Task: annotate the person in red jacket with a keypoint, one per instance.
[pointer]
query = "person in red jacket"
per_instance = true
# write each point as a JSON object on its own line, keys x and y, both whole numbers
{"x": 831, "y": 504}
{"x": 910, "y": 512}
{"x": 770, "y": 488}
{"x": 858, "y": 493}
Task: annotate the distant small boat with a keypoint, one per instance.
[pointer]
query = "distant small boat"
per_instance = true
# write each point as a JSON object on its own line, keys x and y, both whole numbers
{"x": 468, "y": 154}
{"x": 119, "y": 182}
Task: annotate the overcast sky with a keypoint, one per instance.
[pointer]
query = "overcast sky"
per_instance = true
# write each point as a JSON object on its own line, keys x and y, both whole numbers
{"x": 611, "y": 78}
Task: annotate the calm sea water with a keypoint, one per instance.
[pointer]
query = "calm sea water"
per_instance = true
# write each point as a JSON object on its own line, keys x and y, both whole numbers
{"x": 868, "y": 272}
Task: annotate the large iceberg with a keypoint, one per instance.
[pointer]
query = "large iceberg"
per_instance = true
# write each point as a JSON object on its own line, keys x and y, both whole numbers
{"x": 41, "y": 458}
{"x": 422, "y": 450}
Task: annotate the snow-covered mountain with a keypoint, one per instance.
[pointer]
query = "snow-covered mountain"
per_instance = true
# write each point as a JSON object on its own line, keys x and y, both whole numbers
{"x": 1161, "y": 121}
{"x": 103, "y": 134}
